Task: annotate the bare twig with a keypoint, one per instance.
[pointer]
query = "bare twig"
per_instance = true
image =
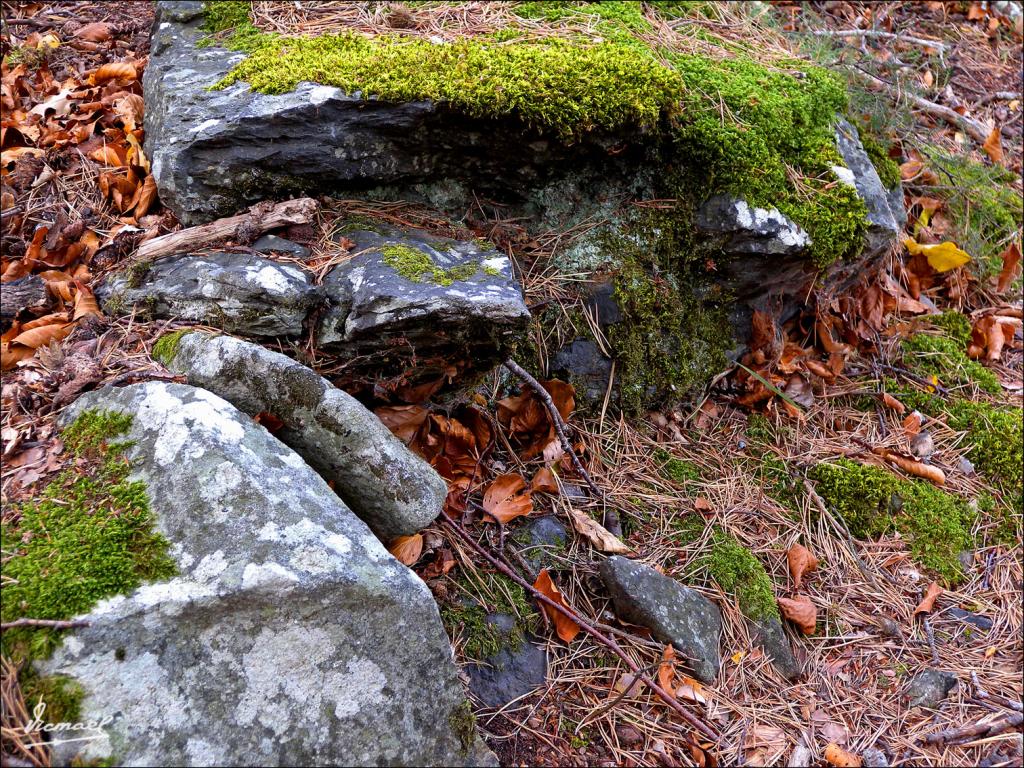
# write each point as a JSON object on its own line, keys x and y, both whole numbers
{"x": 936, "y": 44}
{"x": 703, "y": 728}
{"x": 49, "y": 623}
{"x": 930, "y": 634}
{"x": 981, "y": 729}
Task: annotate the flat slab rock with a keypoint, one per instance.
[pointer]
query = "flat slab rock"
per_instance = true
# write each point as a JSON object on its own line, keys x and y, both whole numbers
{"x": 673, "y": 613}
{"x": 461, "y": 312}
{"x": 392, "y": 489}
{"x": 290, "y": 637}
{"x": 238, "y": 292}
{"x": 514, "y": 671}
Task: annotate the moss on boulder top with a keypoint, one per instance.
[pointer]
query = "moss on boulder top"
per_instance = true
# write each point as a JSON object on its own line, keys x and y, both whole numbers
{"x": 731, "y": 120}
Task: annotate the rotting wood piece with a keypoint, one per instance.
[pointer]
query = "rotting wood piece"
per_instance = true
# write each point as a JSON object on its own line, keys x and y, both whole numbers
{"x": 27, "y": 293}
{"x": 247, "y": 226}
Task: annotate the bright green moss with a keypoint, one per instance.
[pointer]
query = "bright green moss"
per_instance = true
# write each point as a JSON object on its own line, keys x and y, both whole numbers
{"x": 874, "y": 502}
{"x": 621, "y": 14}
{"x": 995, "y": 435}
{"x": 956, "y": 326}
{"x": 466, "y": 617}
{"x": 888, "y": 169}
{"x": 166, "y": 346}
{"x": 680, "y": 472}
{"x": 946, "y": 358}
{"x": 87, "y": 536}
{"x": 738, "y": 571}
{"x": 61, "y": 695}
{"x": 416, "y": 265}
{"x": 759, "y": 430}
{"x": 463, "y": 722}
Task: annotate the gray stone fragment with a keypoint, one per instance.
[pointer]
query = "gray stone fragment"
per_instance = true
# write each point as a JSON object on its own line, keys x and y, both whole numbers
{"x": 885, "y": 223}
{"x": 583, "y": 364}
{"x": 393, "y": 490}
{"x": 238, "y": 292}
{"x": 290, "y": 635}
{"x": 673, "y": 613}
{"x": 771, "y": 636}
{"x": 464, "y": 310}
{"x": 745, "y": 229}
{"x": 970, "y": 617}
{"x": 514, "y": 671}
{"x": 929, "y": 687}
{"x": 540, "y": 538}
{"x": 275, "y": 244}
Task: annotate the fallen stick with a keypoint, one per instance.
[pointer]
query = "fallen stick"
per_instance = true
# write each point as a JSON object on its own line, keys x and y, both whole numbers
{"x": 977, "y": 730}
{"x": 977, "y": 131}
{"x": 937, "y": 45}
{"x": 702, "y": 727}
{"x": 49, "y": 623}
{"x": 245, "y": 227}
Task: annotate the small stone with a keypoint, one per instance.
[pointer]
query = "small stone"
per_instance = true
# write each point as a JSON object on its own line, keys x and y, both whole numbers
{"x": 979, "y": 621}
{"x": 583, "y": 363}
{"x": 540, "y": 538}
{"x": 518, "y": 668}
{"x": 674, "y": 613}
{"x": 275, "y": 244}
{"x": 628, "y": 735}
{"x": 875, "y": 758}
{"x": 965, "y": 466}
{"x": 929, "y": 688}
{"x": 771, "y": 636}
{"x": 966, "y": 559}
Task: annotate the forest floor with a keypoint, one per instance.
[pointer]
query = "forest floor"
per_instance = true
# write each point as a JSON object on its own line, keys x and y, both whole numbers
{"x": 849, "y": 380}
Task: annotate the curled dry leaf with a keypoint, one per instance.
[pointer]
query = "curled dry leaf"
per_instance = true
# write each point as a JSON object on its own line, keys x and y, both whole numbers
{"x": 566, "y": 628}
{"x": 599, "y": 536}
{"x": 123, "y": 70}
{"x": 913, "y": 466}
{"x": 503, "y": 500}
{"x": 544, "y": 481}
{"x": 801, "y": 611}
{"x": 927, "y": 603}
{"x": 993, "y": 146}
{"x": 667, "y": 668}
{"x": 894, "y": 404}
{"x": 800, "y": 561}
{"x": 912, "y": 423}
{"x": 38, "y": 337}
{"x": 85, "y": 302}
{"x": 691, "y": 690}
{"x": 97, "y": 32}
{"x": 839, "y": 757}
{"x": 1011, "y": 266}
{"x": 407, "y": 549}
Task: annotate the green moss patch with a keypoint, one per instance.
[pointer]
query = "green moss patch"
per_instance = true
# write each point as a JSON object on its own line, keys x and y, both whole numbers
{"x": 87, "y": 536}
{"x": 166, "y": 347}
{"x": 874, "y": 502}
{"x": 416, "y": 266}
{"x": 681, "y": 472}
{"x": 945, "y": 356}
{"x": 738, "y": 571}
{"x": 878, "y": 152}
{"x": 466, "y": 615}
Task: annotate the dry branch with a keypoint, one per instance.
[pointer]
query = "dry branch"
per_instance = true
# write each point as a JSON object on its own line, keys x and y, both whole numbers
{"x": 26, "y": 293}
{"x": 48, "y": 623}
{"x": 261, "y": 218}
{"x": 937, "y": 45}
{"x": 982, "y": 729}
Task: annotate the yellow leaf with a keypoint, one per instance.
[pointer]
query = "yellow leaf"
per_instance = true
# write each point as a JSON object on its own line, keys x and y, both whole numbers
{"x": 941, "y": 256}
{"x": 738, "y": 657}
{"x": 990, "y": 652}
{"x": 49, "y": 40}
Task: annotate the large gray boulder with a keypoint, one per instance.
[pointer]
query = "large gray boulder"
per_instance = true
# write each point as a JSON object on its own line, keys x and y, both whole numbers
{"x": 214, "y": 152}
{"x": 238, "y": 292}
{"x": 290, "y": 636}
{"x": 393, "y": 490}
{"x": 673, "y": 613}
{"x": 407, "y": 297}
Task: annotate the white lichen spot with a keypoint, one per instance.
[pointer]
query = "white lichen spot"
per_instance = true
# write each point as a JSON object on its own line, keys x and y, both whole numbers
{"x": 499, "y": 263}
{"x": 319, "y": 94}
{"x": 268, "y": 577}
{"x": 845, "y": 175}
{"x": 204, "y": 125}
{"x": 363, "y": 686}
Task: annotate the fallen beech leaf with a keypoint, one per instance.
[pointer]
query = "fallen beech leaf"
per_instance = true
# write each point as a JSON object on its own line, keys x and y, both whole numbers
{"x": 941, "y": 256}
{"x": 108, "y": 155}
{"x": 993, "y": 147}
{"x": 913, "y": 466}
{"x": 839, "y": 757}
{"x": 566, "y": 628}
{"x": 702, "y": 505}
{"x": 502, "y": 500}
{"x": 666, "y": 670}
{"x": 801, "y": 611}
{"x": 404, "y": 421}
{"x": 97, "y": 32}
{"x": 691, "y": 690}
{"x": 147, "y": 195}
{"x": 85, "y": 302}
{"x": 927, "y": 603}
{"x": 407, "y": 549}
{"x": 912, "y": 423}
{"x": 269, "y": 421}
{"x": 628, "y": 685}
{"x": 544, "y": 481}
{"x": 800, "y": 561}
{"x": 11, "y": 355}
{"x": 599, "y": 536}
{"x": 1011, "y": 264}
{"x": 37, "y": 337}
{"x": 819, "y": 369}
{"x": 122, "y": 70}
{"x": 893, "y": 403}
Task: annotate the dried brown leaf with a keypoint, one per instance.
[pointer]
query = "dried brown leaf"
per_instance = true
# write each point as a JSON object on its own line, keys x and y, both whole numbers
{"x": 927, "y": 603}
{"x": 566, "y": 628}
{"x": 801, "y": 561}
{"x": 839, "y": 757}
{"x": 801, "y": 611}
{"x": 1011, "y": 266}
{"x": 599, "y": 536}
{"x": 503, "y": 500}
{"x": 407, "y": 549}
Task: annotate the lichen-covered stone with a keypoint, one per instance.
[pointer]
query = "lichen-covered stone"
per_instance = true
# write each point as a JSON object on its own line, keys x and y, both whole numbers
{"x": 405, "y": 296}
{"x": 886, "y": 212}
{"x": 275, "y": 244}
{"x": 238, "y": 292}
{"x": 745, "y": 229}
{"x": 771, "y": 636}
{"x": 290, "y": 635}
{"x": 393, "y": 490}
{"x": 929, "y": 688}
{"x": 673, "y": 613}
